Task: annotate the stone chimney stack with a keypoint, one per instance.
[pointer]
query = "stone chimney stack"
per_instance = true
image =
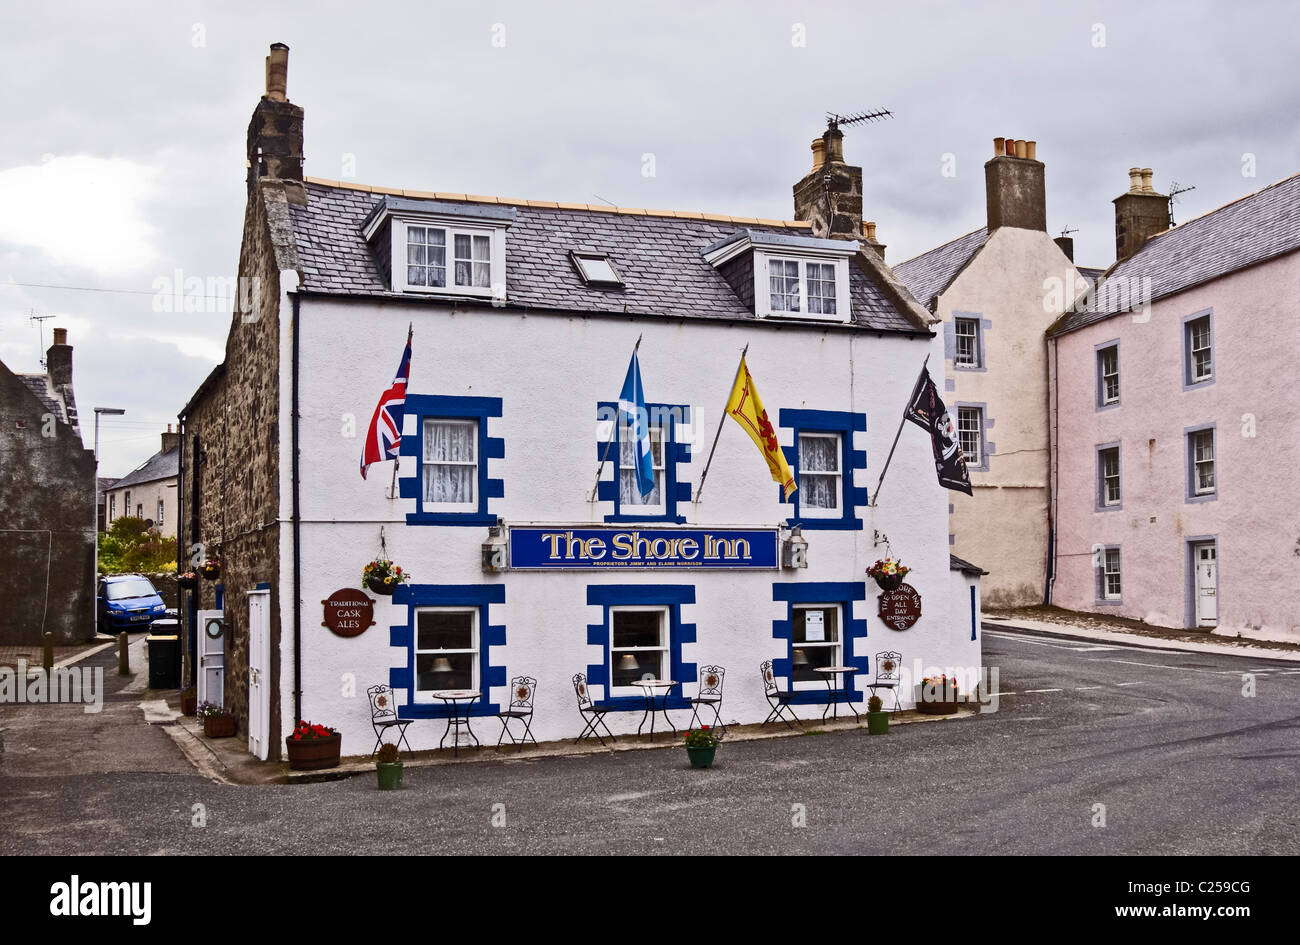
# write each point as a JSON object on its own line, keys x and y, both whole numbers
{"x": 830, "y": 195}
{"x": 1014, "y": 186}
{"x": 1140, "y": 213}
{"x": 58, "y": 360}
{"x": 275, "y": 131}
{"x": 170, "y": 440}
{"x": 1067, "y": 246}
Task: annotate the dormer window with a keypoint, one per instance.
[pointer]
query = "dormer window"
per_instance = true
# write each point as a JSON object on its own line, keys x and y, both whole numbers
{"x": 447, "y": 248}
{"x": 794, "y": 276}
{"x": 596, "y": 269}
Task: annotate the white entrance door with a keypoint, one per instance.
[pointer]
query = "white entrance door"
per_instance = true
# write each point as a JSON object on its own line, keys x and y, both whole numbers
{"x": 259, "y": 662}
{"x": 212, "y": 657}
{"x": 1207, "y": 585}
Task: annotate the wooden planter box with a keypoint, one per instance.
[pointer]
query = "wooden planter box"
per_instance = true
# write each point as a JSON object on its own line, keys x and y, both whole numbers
{"x": 219, "y": 726}
{"x": 947, "y": 707}
{"x": 313, "y": 754}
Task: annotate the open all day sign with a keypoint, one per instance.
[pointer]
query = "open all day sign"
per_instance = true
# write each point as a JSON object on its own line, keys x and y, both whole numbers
{"x": 642, "y": 548}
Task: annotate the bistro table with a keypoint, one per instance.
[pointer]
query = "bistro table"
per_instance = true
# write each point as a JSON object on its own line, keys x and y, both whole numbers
{"x": 455, "y": 698}
{"x": 652, "y": 689}
{"x": 838, "y": 695}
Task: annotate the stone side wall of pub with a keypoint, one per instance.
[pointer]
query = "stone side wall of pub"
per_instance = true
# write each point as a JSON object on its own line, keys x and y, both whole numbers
{"x": 237, "y": 422}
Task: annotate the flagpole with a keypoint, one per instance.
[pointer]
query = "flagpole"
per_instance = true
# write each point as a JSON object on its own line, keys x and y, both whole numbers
{"x": 392, "y": 489}
{"x": 721, "y": 421}
{"x": 876, "y": 496}
{"x": 605, "y": 455}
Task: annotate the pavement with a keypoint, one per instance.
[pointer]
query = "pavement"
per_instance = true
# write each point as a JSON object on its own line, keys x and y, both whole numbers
{"x": 1095, "y": 748}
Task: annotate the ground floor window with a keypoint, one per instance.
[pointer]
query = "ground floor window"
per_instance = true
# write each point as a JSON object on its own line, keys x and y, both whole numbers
{"x": 446, "y": 650}
{"x": 638, "y": 647}
{"x": 1110, "y": 584}
{"x": 815, "y": 640}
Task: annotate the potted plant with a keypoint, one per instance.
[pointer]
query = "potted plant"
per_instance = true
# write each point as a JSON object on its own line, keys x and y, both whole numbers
{"x": 218, "y": 722}
{"x": 383, "y": 577}
{"x": 312, "y": 747}
{"x": 937, "y": 695}
{"x": 877, "y": 720}
{"x": 189, "y": 701}
{"x": 187, "y": 581}
{"x": 389, "y": 766}
{"x": 701, "y": 744}
{"x": 889, "y": 574}
{"x": 210, "y": 568}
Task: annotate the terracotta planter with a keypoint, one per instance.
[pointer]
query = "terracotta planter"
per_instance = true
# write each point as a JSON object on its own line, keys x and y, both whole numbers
{"x": 379, "y": 587}
{"x": 219, "y": 726}
{"x": 313, "y": 754}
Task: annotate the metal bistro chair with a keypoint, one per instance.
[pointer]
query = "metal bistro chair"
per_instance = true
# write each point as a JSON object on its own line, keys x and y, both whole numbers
{"x": 592, "y": 712}
{"x": 522, "y": 689}
{"x": 888, "y": 669}
{"x": 710, "y": 696}
{"x": 383, "y": 716}
{"x": 779, "y": 699}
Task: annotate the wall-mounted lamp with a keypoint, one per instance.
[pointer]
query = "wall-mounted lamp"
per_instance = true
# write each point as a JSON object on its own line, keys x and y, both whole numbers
{"x": 794, "y": 550}
{"x": 494, "y": 549}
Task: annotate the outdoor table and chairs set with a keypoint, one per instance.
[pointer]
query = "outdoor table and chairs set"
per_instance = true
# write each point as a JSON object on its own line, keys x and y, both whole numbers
{"x": 654, "y": 702}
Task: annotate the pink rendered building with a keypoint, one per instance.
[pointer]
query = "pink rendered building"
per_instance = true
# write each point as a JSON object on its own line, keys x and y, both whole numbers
{"x": 1176, "y": 420}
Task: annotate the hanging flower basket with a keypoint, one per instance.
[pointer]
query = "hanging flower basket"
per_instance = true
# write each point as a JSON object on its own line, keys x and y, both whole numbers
{"x": 889, "y": 574}
{"x": 187, "y": 581}
{"x": 210, "y": 569}
{"x": 383, "y": 577}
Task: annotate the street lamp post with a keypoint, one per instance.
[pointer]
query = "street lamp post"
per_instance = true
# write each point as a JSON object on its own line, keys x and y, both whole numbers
{"x": 94, "y": 531}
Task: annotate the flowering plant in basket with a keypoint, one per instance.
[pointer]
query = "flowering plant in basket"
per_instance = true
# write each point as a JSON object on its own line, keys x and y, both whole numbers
{"x": 888, "y": 573}
{"x": 306, "y": 731}
{"x": 382, "y": 576}
{"x": 702, "y": 737}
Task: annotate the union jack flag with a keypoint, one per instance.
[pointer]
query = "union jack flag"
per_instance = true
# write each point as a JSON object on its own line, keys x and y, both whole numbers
{"x": 384, "y": 436}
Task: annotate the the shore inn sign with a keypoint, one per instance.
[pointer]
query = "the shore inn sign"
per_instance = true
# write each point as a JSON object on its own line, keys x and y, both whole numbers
{"x": 522, "y": 558}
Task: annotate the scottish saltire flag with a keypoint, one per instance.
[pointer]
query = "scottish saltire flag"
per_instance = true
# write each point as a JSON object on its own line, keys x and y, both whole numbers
{"x": 632, "y": 416}
{"x": 384, "y": 435}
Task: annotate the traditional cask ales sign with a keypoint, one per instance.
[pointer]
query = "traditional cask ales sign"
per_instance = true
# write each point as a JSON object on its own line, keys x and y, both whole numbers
{"x": 901, "y": 608}
{"x": 638, "y": 548}
{"x": 348, "y": 612}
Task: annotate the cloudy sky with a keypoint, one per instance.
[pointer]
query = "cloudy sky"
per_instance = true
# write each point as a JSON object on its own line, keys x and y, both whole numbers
{"x": 122, "y": 160}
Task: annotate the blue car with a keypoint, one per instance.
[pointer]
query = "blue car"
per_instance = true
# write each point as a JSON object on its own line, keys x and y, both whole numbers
{"x": 128, "y": 602}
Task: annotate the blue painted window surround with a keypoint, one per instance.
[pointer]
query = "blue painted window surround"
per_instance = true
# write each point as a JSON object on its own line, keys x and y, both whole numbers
{"x": 478, "y": 597}
{"x": 853, "y": 634}
{"x": 852, "y": 461}
{"x": 669, "y": 596}
{"x": 668, "y": 418}
{"x": 477, "y": 409}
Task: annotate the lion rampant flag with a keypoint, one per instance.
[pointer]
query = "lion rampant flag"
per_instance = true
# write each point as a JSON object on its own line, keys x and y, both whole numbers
{"x": 746, "y": 408}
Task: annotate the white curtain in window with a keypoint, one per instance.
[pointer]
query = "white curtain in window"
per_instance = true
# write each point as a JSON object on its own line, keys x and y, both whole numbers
{"x": 450, "y": 469}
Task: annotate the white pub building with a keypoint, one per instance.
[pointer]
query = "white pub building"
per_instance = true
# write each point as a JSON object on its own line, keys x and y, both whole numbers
{"x": 523, "y": 315}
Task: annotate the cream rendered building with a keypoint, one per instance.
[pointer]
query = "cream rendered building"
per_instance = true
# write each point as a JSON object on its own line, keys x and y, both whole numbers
{"x": 996, "y": 290}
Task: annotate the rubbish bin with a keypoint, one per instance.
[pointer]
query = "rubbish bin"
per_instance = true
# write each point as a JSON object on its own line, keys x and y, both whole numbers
{"x": 164, "y": 659}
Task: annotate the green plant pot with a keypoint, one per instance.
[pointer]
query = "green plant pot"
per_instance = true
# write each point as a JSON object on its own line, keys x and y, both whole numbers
{"x": 390, "y": 776}
{"x": 877, "y": 723}
{"x": 701, "y": 757}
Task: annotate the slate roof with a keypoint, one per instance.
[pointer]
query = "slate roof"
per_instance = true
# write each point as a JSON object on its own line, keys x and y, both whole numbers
{"x": 158, "y": 466}
{"x": 39, "y": 385}
{"x": 656, "y": 253}
{"x": 932, "y": 272}
{"x": 1247, "y": 231}
{"x": 960, "y": 564}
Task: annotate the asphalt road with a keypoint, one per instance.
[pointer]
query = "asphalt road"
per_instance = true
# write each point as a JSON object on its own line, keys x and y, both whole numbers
{"x": 1182, "y": 761}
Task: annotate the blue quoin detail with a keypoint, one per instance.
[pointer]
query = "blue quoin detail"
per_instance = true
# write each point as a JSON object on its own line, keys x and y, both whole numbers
{"x": 262, "y": 586}
{"x": 827, "y": 592}
{"x": 972, "y": 611}
{"x": 421, "y": 406}
{"x": 852, "y": 497}
{"x": 219, "y": 592}
{"x": 668, "y": 416}
{"x": 671, "y": 596}
{"x": 480, "y": 596}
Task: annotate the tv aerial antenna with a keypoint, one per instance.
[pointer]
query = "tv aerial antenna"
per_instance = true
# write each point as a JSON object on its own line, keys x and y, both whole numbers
{"x": 1174, "y": 191}
{"x": 1067, "y": 230}
{"x": 40, "y": 331}
{"x": 835, "y": 120}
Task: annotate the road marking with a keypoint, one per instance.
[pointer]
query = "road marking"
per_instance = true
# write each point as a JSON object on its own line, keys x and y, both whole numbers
{"x": 1140, "y": 682}
{"x": 1178, "y": 669}
{"x": 1083, "y": 688}
{"x": 1027, "y": 691}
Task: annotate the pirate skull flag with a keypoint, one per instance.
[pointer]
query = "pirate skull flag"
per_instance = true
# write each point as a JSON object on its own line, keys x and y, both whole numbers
{"x": 926, "y": 409}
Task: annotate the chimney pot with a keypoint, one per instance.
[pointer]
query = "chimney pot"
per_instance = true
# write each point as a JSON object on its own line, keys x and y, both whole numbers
{"x": 1146, "y": 181}
{"x": 1134, "y": 180}
{"x": 869, "y": 228}
{"x": 1011, "y": 147}
{"x": 60, "y": 336}
{"x": 834, "y": 141}
{"x": 999, "y": 146}
{"x": 1031, "y": 150}
{"x": 819, "y": 153}
{"x": 1020, "y": 149}
{"x": 277, "y": 73}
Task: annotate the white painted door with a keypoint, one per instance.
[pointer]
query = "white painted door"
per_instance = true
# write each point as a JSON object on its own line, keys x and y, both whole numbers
{"x": 212, "y": 657}
{"x": 259, "y": 662}
{"x": 1207, "y": 585}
